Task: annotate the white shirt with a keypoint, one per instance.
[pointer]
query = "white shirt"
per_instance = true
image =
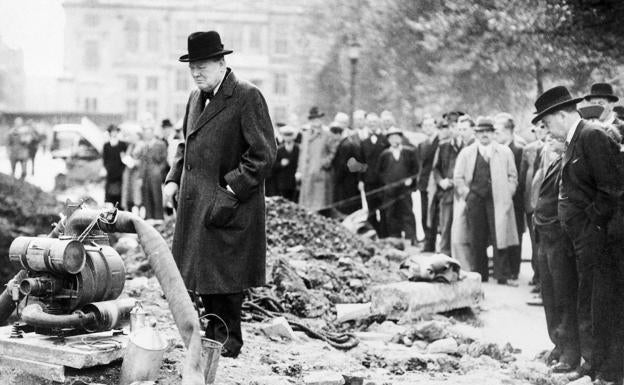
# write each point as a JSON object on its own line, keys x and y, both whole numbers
{"x": 485, "y": 151}
{"x": 396, "y": 152}
{"x": 363, "y": 133}
{"x": 572, "y": 131}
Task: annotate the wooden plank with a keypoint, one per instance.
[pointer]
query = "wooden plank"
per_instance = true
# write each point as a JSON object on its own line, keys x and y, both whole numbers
{"x": 77, "y": 352}
{"x": 50, "y": 372}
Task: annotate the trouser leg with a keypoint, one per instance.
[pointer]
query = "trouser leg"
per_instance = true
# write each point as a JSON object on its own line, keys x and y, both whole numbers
{"x": 478, "y": 232}
{"x": 534, "y": 251}
{"x": 424, "y": 208}
{"x": 393, "y": 216}
{"x": 228, "y": 308}
{"x": 407, "y": 215}
{"x": 446, "y": 221}
{"x": 589, "y": 249}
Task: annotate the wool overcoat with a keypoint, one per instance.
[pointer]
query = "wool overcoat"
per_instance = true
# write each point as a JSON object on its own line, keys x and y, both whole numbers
{"x": 504, "y": 182}
{"x": 219, "y": 240}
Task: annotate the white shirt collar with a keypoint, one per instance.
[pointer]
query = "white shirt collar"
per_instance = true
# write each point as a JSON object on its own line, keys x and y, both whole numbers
{"x": 485, "y": 151}
{"x": 572, "y": 130}
{"x": 216, "y": 89}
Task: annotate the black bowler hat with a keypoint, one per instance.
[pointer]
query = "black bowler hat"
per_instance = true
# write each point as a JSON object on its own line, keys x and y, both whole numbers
{"x": 619, "y": 111}
{"x": 602, "y": 90}
{"x": 553, "y": 100}
{"x": 166, "y": 123}
{"x": 315, "y": 114}
{"x": 204, "y": 45}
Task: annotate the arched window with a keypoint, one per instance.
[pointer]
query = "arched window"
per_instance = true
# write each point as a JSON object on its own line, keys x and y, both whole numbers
{"x": 153, "y": 35}
{"x": 132, "y": 35}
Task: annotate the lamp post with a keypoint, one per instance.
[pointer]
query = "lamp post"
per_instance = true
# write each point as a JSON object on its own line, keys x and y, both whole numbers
{"x": 354, "y": 56}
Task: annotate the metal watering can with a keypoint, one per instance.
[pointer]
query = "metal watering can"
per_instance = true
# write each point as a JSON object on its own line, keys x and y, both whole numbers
{"x": 211, "y": 351}
{"x": 144, "y": 355}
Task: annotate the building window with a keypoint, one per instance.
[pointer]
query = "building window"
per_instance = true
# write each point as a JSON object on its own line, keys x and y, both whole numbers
{"x": 132, "y": 107}
{"x": 92, "y": 20}
{"x": 131, "y": 30}
{"x": 280, "y": 44}
{"x": 232, "y": 36}
{"x": 132, "y": 82}
{"x": 255, "y": 39}
{"x": 90, "y": 104}
{"x": 152, "y": 83}
{"x": 153, "y": 35}
{"x": 182, "y": 28}
{"x": 182, "y": 80}
{"x": 281, "y": 84}
{"x": 91, "y": 54}
{"x": 151, "y": 106}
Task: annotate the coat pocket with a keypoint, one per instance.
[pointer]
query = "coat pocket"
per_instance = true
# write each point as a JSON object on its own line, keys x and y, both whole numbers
{"x": 223, "y": 209}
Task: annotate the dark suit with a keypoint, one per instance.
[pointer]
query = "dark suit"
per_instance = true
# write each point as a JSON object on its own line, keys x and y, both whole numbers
{"x": 515, "y": 252}
{"x": 443, "y": 167}
{"x": 284, "y": 175}
{"x": 346, "y": 185}
{"x": 372, "y": 147}
{"x": 531, "y": 160}
{"x": 397, "y": 201}
{"x": 219, "y": 241}
{"x": 425, "y": 152}
{"x": 590, "y": 184}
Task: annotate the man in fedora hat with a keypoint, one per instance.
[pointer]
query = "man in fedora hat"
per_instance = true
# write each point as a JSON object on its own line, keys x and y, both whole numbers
{"x": 397, "y": 169}
{"x": 112, "y": 153}
{"x": 217, "y": 179}
{"x": 588, "y": 194}
{"x": 601, "y": 94}
{"x": 485, "y": 177}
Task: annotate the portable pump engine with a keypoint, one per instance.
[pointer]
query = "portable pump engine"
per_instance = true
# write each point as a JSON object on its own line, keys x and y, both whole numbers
{"x": 71, "y": 283}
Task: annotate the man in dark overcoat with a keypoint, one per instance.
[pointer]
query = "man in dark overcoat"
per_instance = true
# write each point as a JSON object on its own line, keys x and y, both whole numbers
{"x": 425, "y": 152}
{"x": 229, "y": 147}
{"x": 285, "y": 166}
{"x": 588, "y": 195}
{"x": 601, "y": 94}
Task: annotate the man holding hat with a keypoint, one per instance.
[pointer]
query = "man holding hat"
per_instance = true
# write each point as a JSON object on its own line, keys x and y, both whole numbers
{"x": 588, "y": 194}
{"x": 398, "y": 166}
{"x": 217, "y": 180}
{"x": 485, "y": 178}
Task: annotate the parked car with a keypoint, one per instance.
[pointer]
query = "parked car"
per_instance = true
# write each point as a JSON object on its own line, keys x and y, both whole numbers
{"x": 77, "y": 141}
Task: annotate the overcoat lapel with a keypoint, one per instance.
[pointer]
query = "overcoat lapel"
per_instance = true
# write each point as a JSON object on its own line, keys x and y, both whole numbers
{"x": 217, "y": 104}
{"x": 570, "y": 151}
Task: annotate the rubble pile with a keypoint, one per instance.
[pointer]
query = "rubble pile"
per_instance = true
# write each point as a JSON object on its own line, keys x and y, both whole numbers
{"x": 24, "y": 210}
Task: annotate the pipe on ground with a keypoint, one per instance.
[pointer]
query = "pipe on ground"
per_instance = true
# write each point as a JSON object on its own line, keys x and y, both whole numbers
{"x": 35, "y": 316}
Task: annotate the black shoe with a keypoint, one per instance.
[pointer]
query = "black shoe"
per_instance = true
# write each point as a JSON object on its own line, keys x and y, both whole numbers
{"x": 225, "y": 352}
{"x": 504, "y": 281}
{"x": 562, "y": 367}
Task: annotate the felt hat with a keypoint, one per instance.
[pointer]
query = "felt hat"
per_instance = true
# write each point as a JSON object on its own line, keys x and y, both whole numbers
{"x": 112, "y": 128}
{"x": 553, "y": 100}
{"x": 619, "y": 111}
{"x": 314, "y": 113}
{"x": 204, "y": 45}
{"x": 484, "y": 123}
{"x": 602, "y": 90}
{"x": 166, "y": 123}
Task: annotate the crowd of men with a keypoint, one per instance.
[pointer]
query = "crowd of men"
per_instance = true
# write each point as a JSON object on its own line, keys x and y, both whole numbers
{"x": 23, "y": 141}
{"x": 481, "y": 184}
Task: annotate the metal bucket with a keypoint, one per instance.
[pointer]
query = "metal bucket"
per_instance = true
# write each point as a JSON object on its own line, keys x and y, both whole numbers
{"x": 143, "y": 357}
{"x": 210, "y": 353}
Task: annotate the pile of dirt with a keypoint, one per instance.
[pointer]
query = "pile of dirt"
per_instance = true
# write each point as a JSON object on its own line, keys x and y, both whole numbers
{"x": 313, "y": 262}
{"x": 24, "y": 210}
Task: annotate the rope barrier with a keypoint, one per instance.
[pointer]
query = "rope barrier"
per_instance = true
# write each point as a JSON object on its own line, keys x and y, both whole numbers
{"x": 368, "y": 193}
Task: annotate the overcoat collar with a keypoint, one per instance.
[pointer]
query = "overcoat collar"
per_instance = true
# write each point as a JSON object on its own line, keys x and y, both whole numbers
{"x": 570, "y": 150}
{"x": 217, "y": 103}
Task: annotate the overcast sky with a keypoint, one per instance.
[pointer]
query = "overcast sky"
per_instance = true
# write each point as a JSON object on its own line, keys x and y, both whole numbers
{"x": 35, "y": 26}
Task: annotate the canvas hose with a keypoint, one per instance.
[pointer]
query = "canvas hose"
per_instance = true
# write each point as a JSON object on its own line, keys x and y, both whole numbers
{"x": 263, "y": 307}
{"x": 165, "y": 269}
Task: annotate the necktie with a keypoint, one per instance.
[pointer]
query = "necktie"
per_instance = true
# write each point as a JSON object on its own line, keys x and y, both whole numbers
{"x": 207, "y": 96}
